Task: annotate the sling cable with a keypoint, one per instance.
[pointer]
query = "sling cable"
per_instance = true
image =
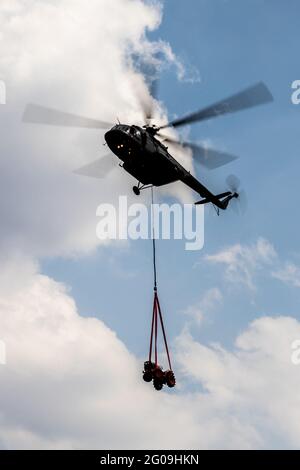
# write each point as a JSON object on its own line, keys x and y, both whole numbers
{"x": 152, "y": 370}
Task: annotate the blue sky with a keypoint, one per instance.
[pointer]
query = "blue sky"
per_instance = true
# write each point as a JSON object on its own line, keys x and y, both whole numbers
{"x": 241, "y": 291}
{"x": 232, "y": 44}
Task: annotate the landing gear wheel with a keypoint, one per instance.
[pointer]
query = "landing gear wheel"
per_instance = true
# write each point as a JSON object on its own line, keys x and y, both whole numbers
{"x": 136, "y": 190}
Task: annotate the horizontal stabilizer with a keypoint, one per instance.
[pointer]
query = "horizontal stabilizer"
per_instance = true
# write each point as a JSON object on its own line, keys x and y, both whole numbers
{"x": 218, "y": 196}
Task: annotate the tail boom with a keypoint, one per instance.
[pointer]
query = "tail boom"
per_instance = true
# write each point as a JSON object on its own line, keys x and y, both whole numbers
{"x": 219, "y": 200}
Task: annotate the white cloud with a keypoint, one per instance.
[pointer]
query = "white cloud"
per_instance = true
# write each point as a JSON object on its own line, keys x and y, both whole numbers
{"x": 242, "y": 261}
{"x": 252, "y": 389}
{"x": 70, "y": 55}
{"x": 70, "y": 382}
{"x": 199, "y": 311}
{"x": 289, "y": 274}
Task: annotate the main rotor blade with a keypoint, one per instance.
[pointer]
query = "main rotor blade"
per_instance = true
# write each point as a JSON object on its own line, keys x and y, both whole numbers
{"x": 99, "y": 168}
{"x": 208, "y": 157}
{"x": 253, "y": 96}
{"x": 37, "y": 114}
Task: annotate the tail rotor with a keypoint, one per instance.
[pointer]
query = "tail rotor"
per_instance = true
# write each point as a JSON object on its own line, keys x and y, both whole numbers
{"x": 239, "y": 201}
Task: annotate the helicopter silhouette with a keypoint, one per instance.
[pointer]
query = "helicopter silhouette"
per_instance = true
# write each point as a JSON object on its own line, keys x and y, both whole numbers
{"x": 146, "y": 157}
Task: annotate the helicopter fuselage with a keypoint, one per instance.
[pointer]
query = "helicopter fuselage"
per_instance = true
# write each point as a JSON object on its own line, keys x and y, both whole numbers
{"x": 143, "y": 156}
{"x": 148, "y": 160}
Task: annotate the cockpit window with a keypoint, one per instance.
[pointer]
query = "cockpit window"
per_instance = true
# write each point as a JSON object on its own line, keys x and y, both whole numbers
{"x": 135, "y": 131}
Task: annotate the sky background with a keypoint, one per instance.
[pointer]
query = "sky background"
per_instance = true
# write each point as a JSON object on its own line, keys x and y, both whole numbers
{"x": 230, "y": 53}
{"x": 74, "y": 314}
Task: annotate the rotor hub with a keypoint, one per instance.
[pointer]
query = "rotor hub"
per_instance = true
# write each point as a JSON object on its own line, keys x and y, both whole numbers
{"x": 152, "y": 130}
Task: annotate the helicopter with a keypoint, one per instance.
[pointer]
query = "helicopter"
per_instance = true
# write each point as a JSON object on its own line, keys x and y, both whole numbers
{"x": 146, "y": 157}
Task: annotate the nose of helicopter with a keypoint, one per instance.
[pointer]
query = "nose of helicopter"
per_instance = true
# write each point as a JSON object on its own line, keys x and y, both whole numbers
{"x": 118, "y": 140}
{"x": 110, "y": 137}
{"x": 115, "y": 137}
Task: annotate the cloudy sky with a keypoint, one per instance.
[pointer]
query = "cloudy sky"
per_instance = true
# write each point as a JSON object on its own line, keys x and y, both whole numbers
{"x": 74, "y": 313}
